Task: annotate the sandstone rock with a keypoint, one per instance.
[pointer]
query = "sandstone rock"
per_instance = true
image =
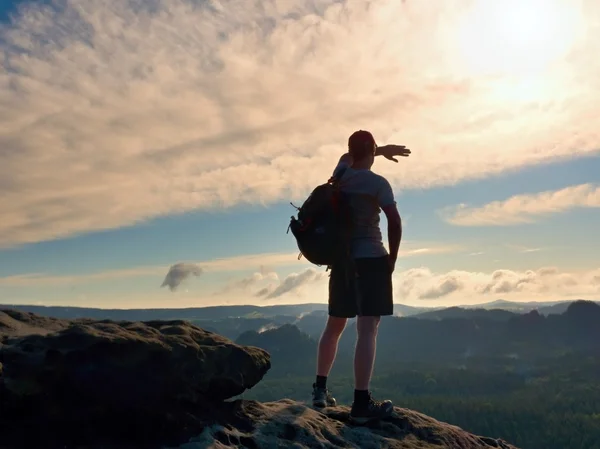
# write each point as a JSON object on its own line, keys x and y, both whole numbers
{"x": 129, "y": 362}
{"x": 14, "y": 323}
{"x": 89, "y": 371}
{"x": 285, "y": 423}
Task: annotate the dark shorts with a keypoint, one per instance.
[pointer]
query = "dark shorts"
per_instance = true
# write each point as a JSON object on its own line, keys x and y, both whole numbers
{"x": 362, "y": 287}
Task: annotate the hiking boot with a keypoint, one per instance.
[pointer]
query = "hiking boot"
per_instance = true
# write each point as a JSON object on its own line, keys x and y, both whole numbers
{"x": 322, "y": 397}
{"x": 372, "y": 410}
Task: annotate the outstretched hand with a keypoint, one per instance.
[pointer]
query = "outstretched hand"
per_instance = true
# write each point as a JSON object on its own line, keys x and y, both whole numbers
{"x": 389, "y": 151}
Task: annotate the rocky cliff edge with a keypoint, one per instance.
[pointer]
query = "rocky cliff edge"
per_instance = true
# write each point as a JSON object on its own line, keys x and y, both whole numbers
{"x": 167, "y": 384}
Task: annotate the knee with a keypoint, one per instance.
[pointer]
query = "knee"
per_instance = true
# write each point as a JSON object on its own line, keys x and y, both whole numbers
{"x": 367, "y": 325}
{"x": 335, "y": 326}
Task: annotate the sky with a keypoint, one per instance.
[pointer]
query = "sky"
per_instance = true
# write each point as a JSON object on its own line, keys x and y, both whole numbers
{"x": 149, "y": 150}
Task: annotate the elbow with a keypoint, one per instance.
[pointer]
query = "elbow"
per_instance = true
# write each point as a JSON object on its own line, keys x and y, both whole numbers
{"x": 396, "y": 219}
{"x": 393, "y": 218}
{"x": 395, "y": 223}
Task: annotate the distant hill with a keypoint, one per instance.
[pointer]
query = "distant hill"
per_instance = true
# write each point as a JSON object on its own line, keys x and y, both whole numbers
{"x": 498, "y": 334}
{"x": 292, "y": 351}
{"x": 193, "y": 313}
{"x": 232, "y": 327}
{"x": 232, "y": 321}
{"x": 460, "y": 312}
{"x": 253, "y": 311}
{"x": 557, "y": 308}
{"x": 403, "y": 310}
{"x": 543, "y": 307}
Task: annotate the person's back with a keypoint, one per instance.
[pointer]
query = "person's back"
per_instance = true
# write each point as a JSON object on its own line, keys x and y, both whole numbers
{"x": 368, "y": 193}
{"x": 362, "y": 285}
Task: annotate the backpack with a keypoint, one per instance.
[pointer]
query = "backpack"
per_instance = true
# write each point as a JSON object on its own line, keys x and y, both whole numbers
{"x": 324, "y": 224}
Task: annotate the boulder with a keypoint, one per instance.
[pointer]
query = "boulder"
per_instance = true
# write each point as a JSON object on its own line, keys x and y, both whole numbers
{"x": 92, "y": 371}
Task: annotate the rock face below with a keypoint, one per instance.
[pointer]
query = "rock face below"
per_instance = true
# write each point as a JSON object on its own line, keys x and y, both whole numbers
{"x": 286, "y": 423}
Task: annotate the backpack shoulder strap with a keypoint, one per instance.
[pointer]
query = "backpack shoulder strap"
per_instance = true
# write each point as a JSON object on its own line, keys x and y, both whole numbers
{"x": 338, "y": 176}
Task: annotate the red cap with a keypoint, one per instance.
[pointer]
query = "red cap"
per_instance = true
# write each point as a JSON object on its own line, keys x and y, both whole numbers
{"x": 360, "y": 138}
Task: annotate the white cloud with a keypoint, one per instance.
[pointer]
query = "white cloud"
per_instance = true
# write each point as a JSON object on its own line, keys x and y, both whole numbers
{"x": 415, "y": 286}
{"x": 294, "y": 282}
{"x": 251, "y": 281}
{"x": 525, "y": 208}
{"x": 418, "y": 286}
{"x": 463, "y": 287}
{"x": 113, "y": 112}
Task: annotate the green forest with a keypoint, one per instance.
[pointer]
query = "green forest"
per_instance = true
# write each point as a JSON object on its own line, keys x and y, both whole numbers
{"x": 548, "y": 399}
{"x": 555, "y": 407}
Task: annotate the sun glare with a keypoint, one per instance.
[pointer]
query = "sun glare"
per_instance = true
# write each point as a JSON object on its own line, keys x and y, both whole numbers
{"x": 518, "y": 36}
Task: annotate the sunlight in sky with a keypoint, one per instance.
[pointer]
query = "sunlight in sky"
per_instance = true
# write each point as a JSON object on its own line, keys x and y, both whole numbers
{"x": 517, "y": 37}
{"x": 138, "y": 136}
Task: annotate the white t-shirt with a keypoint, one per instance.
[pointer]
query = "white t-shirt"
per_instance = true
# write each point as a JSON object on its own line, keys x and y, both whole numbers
{"x": 368, "y": 193}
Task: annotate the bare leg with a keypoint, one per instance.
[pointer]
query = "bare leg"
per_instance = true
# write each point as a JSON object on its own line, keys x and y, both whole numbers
{"x": 364, "y": 354}
{"x": 364, "y": 407}
{"x": 328, "y": 344}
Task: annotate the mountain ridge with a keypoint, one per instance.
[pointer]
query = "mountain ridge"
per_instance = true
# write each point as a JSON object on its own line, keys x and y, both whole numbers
{"x": 228, "y": 311}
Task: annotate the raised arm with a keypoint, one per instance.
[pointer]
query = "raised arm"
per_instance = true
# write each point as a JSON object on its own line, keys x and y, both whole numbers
{"x": 387, "y": 151}
{"x": 345, "y": 161}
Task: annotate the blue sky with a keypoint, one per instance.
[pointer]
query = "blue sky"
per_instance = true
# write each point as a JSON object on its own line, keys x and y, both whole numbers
{"x": 5, "y": 9}
{"x": 127, "y": 155}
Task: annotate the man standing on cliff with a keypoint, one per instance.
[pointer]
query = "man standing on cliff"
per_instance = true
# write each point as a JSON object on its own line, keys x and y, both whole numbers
{"x": 370, "y": 296}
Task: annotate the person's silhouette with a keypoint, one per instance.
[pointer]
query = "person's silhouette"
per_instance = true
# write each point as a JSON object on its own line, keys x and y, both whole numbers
{"x": 369, "y": 294}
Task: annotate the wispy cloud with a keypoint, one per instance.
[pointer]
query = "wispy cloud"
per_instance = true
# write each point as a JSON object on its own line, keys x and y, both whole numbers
{"x": 409, "y": 251}
{"x": 460, "y": 286}
{"x": 525, "y": 208}
{"x": 267, "y": 263}
{"x": 229, "y": 264}
{"x": 524, "y": 249}
{"x": 419, "y": 285}
{"x": 43, "y": 279}
{"x": 119, "y": 111}
{"x": 251, "y": 281}
{"x": 295, "y": 281}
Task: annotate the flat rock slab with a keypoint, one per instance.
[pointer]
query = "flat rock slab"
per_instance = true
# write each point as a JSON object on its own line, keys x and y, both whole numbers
{"x": 290, "y": 424}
